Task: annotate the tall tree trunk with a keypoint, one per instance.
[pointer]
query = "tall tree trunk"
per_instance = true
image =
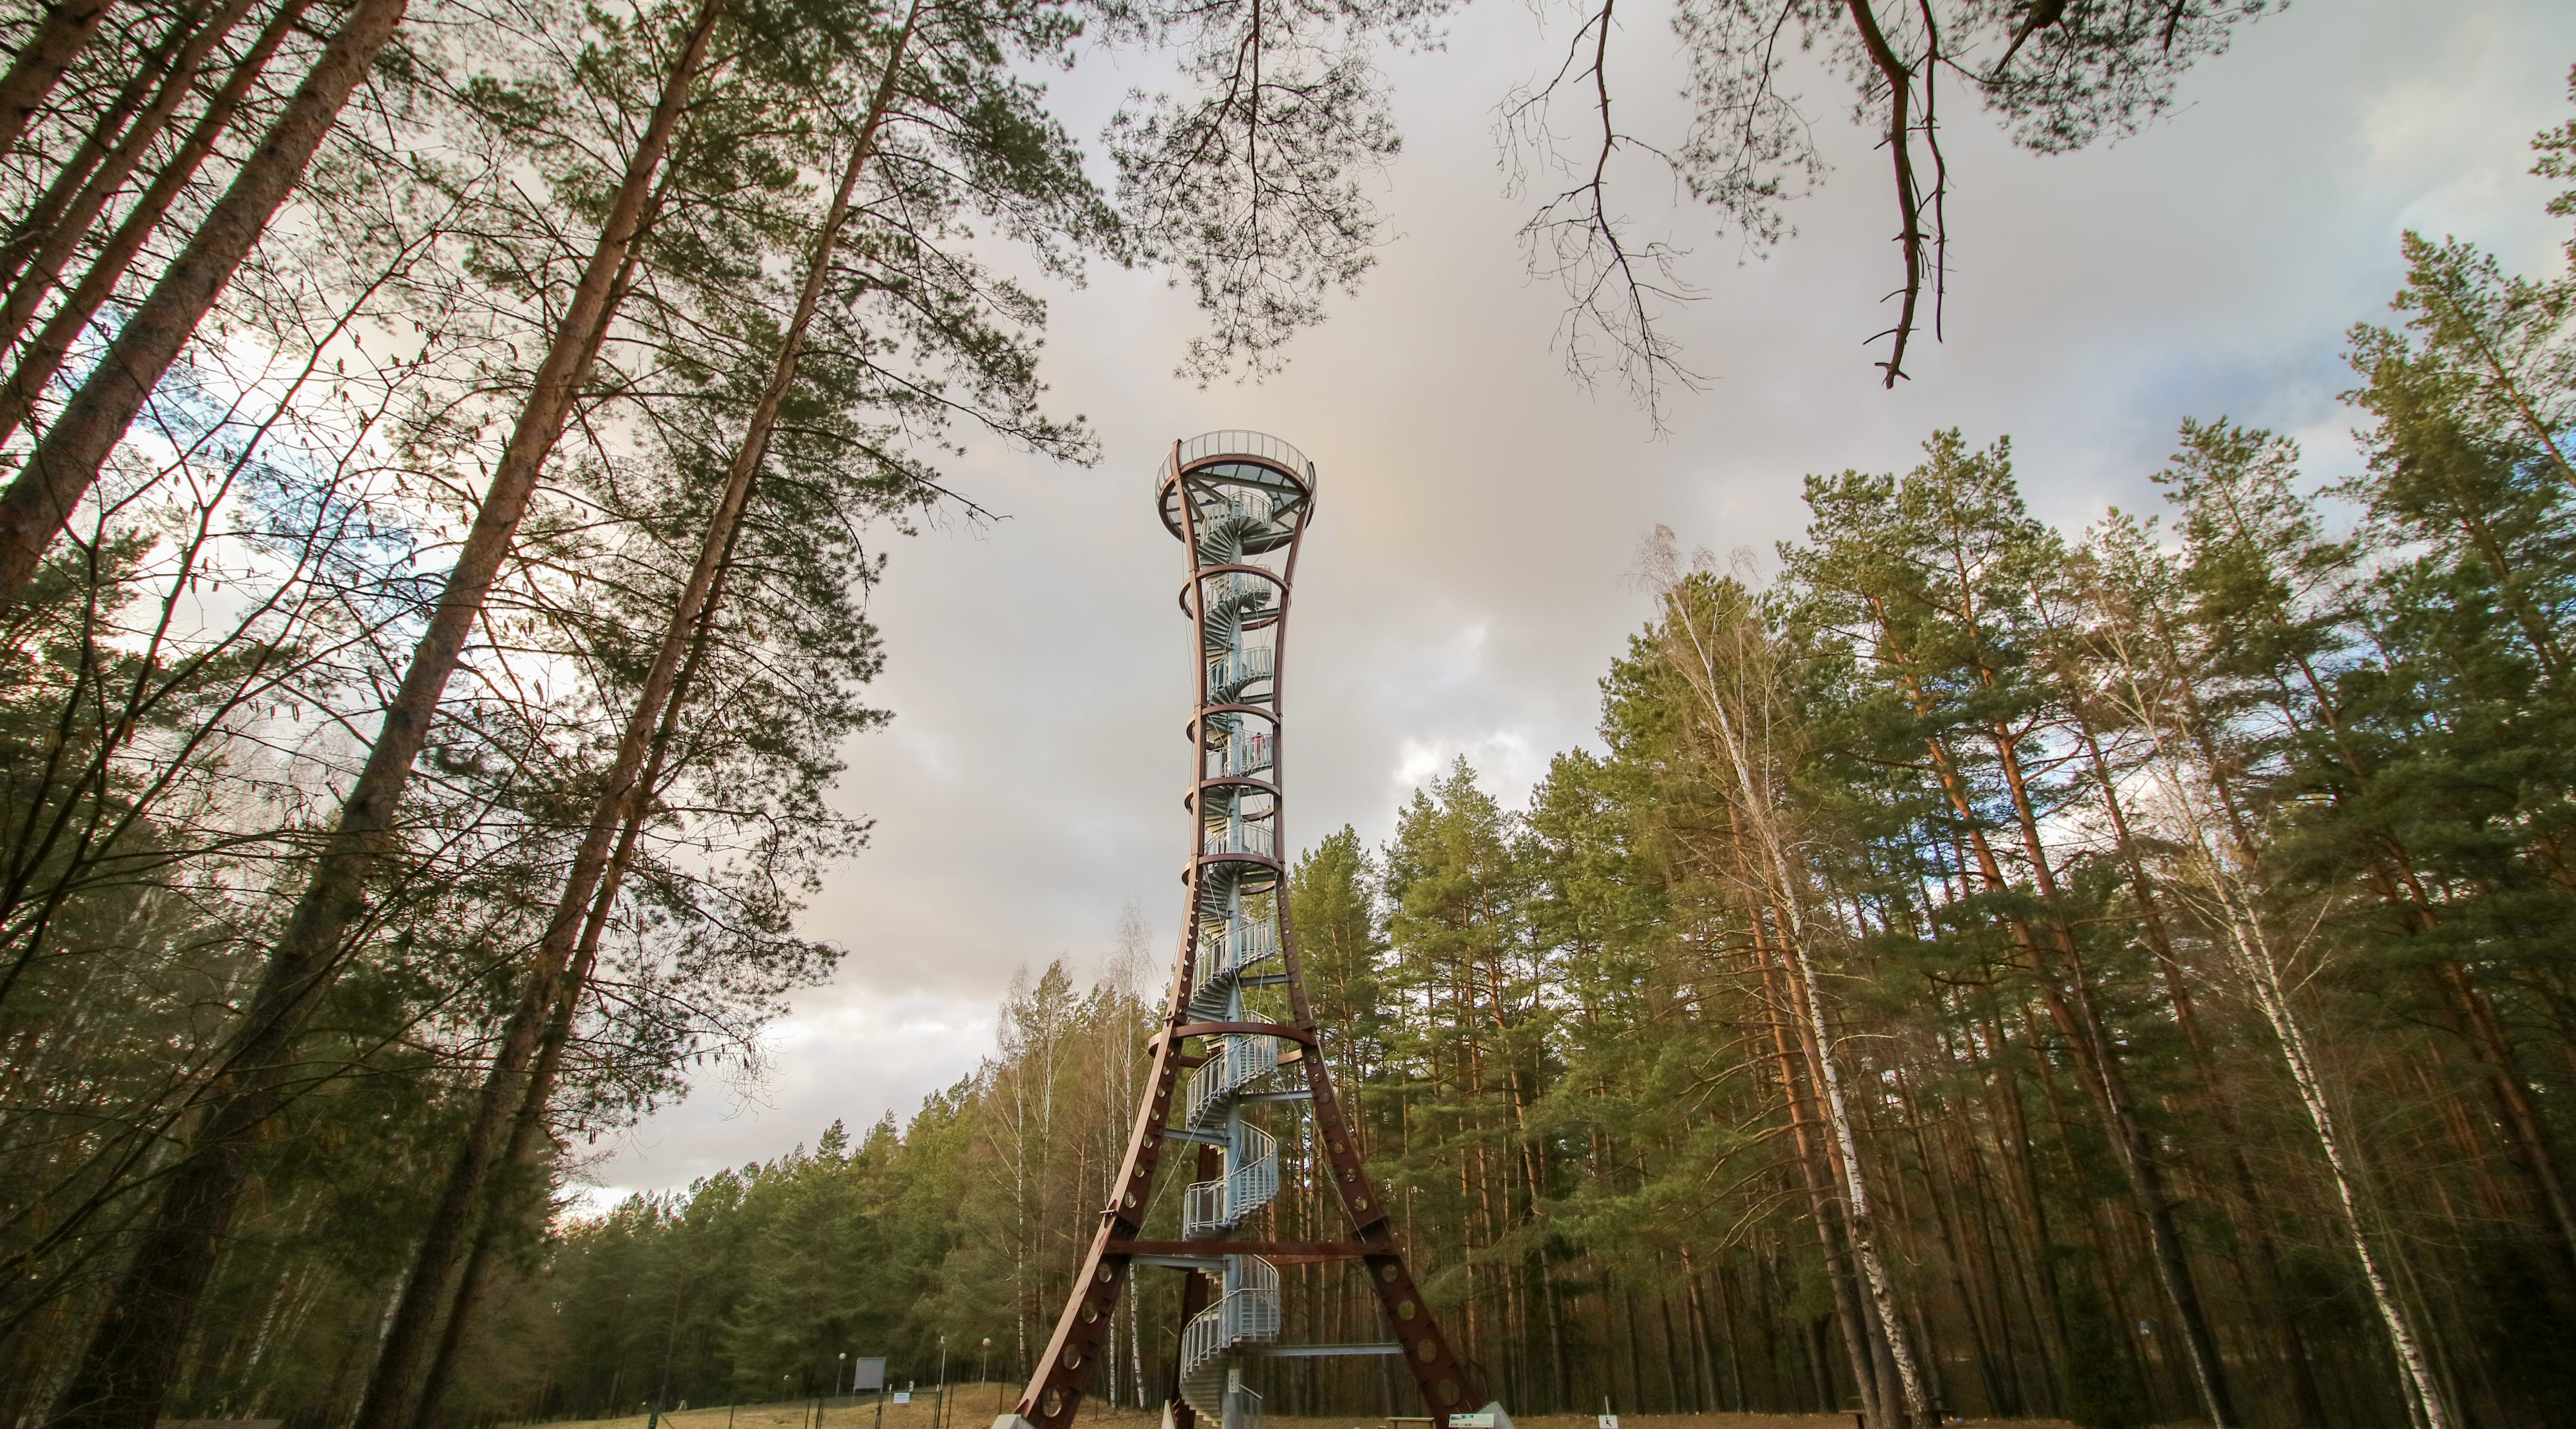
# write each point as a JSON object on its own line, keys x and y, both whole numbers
{"x": 1847, "y": 1310}
{"x": 1728, "y": 668}
{"x": 45, "y": 214}
{"x": 2254, "y": 954}
{"x": 505, "y": 1090}
{"x": 2527, "y": 1131}
{"x": 1954, "y": 1250}
{"x": 2401, "y": 886}
{"x": 529, "y": 1146}
{"x": 65, "y": 30}
{"x": 527, "y": 1127}
{"x": 2225, "y": 872}
{"x": 41, "y": 358}
{"x": 47, "y": 248}
{"x": 2071, "y": 1006}
{"x": 62, "y": 467}
{"x": 125, "y": 1368}
{"x": 2292, "y": 1346}
{"x": 2021, "y": 1171}
{"x": 2107, "y": 1076}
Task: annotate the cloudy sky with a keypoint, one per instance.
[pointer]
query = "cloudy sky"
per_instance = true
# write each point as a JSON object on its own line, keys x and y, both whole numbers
{"x": 1464, "y": 584}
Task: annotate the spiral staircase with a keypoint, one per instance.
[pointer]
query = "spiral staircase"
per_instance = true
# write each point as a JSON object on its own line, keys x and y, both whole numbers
{"x": 1235, "y": 515}
{"x": 1235, "y": 1049}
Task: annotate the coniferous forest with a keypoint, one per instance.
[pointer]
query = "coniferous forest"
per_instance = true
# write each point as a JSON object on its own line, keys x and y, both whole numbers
{"x": 2121, "y": 971}
{"x": 2119, "y": 974}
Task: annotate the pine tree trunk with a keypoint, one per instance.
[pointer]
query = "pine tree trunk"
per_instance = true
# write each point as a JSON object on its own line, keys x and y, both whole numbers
{"x": 2107, "y": 1076}
{"x": 509, "y": 1088}
{"x": 2071, "y": 1007}
{"x": 1954, "y": 1250}
{"x": 125, "y": 1368}
{"x": 57, "y": 235}
{"x": 2254, "y": 954}
{"x": 2022, "y": 1167}
{"x": 1725, "y": 667}
{"x": 528, "y": 1142}
{"x": 2292, "y": 1346}
{"x": 2400, "y": 886}
{"x": 45, "y": 214}
{"x": 2527, "y": 1130}
{"x": 41, "y": 358}
{"x": 2227, "y": 882}
{"x": 62, "y": 467}
{"x": 66, "y": 29}
{"x": 1847, "y": 1311}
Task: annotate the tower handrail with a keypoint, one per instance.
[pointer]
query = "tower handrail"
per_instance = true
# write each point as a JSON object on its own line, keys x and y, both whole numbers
{"x": 1239, "y": 442}
{"x": 1242, "y": 836}
{"x": 1240, "y": 502}
{"x": 1238, "y": 1062}
{"x": 1251, "y": 1181}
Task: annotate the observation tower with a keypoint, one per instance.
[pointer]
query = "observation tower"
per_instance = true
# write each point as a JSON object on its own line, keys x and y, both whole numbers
{"x": 1237, "y": 1021}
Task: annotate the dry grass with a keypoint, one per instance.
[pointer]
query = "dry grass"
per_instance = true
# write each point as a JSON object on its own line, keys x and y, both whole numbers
{"x": 1658, "y": 1421}
{"x": 971, "y": 1406}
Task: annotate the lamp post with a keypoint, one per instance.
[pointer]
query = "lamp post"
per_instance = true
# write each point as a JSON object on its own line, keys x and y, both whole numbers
{"x": 844, "y": 1358}
{"x": 983, "y": 1371}
{"x": 939, "y": 1411}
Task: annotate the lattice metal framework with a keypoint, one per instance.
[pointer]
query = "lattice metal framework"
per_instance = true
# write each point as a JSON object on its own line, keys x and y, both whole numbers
{"x": 1240, "y": 503}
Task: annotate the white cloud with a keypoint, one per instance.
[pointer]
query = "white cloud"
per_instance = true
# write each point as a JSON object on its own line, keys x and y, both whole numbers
{"x": 1462, "y": 589}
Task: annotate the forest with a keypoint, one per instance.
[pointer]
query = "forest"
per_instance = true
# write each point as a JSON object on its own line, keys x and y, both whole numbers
{"x": 449, "y": 450}
{"x": 2118, "y": 974}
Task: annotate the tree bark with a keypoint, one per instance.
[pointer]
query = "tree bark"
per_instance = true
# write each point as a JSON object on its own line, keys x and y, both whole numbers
{"x": 528, "y": 1124}
{"x": 507, "y": 1088}
{"x": 45, "y": 213}
{"x": 43, "y": 357}
{"x": 1725, "y": 667}
{"x": 126, "y": 1366}
{"x": 1847, "y": 1310}
{"x": 65, "y": 31}
{"x": 57, "y": 234}
{"x": 2072, "y": 1008}
{"x": 63, "y": 466}
{"x": 2226, "y": 877}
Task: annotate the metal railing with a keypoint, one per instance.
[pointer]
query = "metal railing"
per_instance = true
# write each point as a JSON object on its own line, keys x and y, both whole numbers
{"x": 1233, "y": 521}
{"x": 1245, "y": 944}
{"x": 1235, "y": 585}
{"x": 1235, "y": 1063}
{"x": 1251, "y": 1182}
{"x": 1260, "y": 445}
{"x": 1222, "y": 956}
{"x": 1244, "y": 754}
{"x": 1247, "y": 1315}
{"x": 1235, "y": 598}
{"x": 1239, "y": 836}
{"x": 1230, "y": 672}
{"x": 1239, "y": 504}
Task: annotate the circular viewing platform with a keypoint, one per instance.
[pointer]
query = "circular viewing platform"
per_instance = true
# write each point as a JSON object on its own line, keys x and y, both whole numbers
{"x": 1255, "y": 446}
{"x": 1249, "y": 474}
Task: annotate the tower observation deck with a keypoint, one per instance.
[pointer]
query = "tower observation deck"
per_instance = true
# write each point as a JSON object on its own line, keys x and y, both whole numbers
{"x": 1236, "y": 1054}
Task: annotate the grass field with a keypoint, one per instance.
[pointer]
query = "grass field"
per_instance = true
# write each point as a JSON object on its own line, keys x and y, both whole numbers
{"x": 971, "y": 1406}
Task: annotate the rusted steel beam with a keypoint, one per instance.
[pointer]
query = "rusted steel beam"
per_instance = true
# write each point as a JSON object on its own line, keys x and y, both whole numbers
{"x": 1260, "y": 492}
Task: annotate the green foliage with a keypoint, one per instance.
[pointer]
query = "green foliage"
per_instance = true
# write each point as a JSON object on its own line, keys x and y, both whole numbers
{"x": 958, "y": 1223}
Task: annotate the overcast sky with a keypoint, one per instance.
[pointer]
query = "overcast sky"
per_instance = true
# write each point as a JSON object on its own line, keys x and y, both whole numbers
{"x": 1464, "y": 584}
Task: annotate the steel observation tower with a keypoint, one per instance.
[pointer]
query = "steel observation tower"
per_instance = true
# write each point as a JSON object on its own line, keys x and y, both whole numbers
{"x": 1237, "y": 1021}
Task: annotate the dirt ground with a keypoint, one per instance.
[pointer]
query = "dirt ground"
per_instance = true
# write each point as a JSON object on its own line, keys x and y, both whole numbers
{"x": 972, "y": 1406}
